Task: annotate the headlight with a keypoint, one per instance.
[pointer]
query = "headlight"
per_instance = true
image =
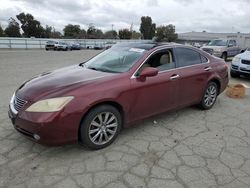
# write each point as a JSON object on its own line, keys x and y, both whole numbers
{"x": 236, "y": 60}
{"x": 218, "y": 50}
{"x": 49, "y": 105}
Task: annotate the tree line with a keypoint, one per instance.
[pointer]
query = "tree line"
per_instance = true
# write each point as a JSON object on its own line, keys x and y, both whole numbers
{"x": 32, "y": 28}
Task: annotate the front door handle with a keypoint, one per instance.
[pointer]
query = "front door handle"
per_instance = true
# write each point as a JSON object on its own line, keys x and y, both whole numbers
{"x": 175, "y": 76}
{"x": 207, "y": 68}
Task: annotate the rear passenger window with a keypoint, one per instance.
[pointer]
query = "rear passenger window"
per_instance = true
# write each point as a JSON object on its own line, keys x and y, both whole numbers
{"x": 203, "y": 59}
{"x": 234, "y": 43}
{"x": 187, "y": 57}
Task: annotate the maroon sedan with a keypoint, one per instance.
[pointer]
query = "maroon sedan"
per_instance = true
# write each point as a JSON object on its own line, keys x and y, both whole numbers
{"x": 91, "y": 102}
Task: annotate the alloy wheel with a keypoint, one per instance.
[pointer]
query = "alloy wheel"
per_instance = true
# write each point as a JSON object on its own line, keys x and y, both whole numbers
{"x": 103, "y": 128}
{"x": 210, "y": 95}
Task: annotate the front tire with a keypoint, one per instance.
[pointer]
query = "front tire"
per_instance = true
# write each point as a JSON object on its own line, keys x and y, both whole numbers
{"x": 100, "y": 127}
{"x": 233, "y": 74}
{"x": 210, "y": 96}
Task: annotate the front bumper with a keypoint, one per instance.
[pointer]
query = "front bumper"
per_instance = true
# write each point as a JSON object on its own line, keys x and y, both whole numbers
{"x": 217, "y": 54}
{"x": 46, "y": 128}
{"x": 240, "y": 69}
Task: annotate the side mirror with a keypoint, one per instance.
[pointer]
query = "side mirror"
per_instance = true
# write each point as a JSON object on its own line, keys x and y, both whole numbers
{"x": 147, "y": 72}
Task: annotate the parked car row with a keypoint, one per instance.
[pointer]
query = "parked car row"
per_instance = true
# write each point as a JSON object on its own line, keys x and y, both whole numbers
{"x": 60, "y": 45}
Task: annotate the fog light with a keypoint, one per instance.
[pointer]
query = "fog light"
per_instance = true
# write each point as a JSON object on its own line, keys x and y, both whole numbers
{"x": 37, "y": 137}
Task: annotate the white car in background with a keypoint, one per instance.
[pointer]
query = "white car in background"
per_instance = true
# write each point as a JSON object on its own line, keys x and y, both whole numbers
{"x": 61, "y": 46}
{"x": 241, "y": 64}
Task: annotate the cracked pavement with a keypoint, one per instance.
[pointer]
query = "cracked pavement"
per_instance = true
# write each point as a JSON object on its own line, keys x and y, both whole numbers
{"x": 185, "y": 148}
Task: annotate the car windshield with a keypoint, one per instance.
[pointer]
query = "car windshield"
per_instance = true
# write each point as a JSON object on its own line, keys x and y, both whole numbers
{"x": 116, "y": 59}
{"x": 217, "y": 43}
{"x": 50, "y": 42}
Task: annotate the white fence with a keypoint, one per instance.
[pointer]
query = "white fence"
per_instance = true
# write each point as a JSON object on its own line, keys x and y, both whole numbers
{"x": 39, "y": 43}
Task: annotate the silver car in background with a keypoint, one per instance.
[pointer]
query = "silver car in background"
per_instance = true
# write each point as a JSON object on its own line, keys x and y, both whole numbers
{"x": 222, "y": 48}
{"x": 61, "y": 46}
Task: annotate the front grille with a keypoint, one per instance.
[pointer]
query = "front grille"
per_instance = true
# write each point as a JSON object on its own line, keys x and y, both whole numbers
{"x": 49, "y": 45}
{"x": 235, "y": 67}
{"x": 19, "y": 103}
{"x": 246, "y": 62}
{"x": 208, "y": 50}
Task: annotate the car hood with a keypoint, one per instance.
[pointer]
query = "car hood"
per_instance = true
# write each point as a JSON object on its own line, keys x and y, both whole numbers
{"x": 50, "y": 82}
{"x": 245, "y": 55}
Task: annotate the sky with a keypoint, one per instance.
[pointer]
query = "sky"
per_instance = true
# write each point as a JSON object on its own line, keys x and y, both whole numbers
{"x": 186, "y": 15}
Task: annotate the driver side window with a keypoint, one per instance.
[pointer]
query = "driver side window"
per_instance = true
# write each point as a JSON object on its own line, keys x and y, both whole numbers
{"x": 162, "y": 60}
{"x": 232, "y": 43}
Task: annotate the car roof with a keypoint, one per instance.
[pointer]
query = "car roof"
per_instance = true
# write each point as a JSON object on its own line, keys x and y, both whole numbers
{"x": 145, "y": 45}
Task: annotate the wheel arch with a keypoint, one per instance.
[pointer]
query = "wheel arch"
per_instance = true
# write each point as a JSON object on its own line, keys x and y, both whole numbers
{"x": 108, "y": 102}
{"x": 217, "y": 82}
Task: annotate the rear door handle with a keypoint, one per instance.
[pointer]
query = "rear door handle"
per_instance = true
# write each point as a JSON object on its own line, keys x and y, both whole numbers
{"x": 207, "y": 68}
{"x": 175, "y": 76}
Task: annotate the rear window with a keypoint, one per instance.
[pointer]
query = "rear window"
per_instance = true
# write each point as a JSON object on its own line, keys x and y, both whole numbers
{"x": 217, "y": 43}
{"x": 187, "y": 57}
{"x": 50, "y": 42}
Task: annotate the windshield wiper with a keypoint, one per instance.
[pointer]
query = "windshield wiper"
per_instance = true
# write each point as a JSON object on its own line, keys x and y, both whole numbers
{"x": 92, "y": 68}
{"x": 82, "y": 64}
{"x": 103, "y": 70}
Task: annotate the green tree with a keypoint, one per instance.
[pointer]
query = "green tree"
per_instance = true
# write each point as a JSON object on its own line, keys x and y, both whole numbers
{"x": 166, "y": 33}
{"x": 125, "y": 34}
{"x": 72, "y": 31}
{"x": 83, "y": 34}
{"x": 110, "y": 34}
{"x": 147, "y": 28}
{"x": 13, "y": 29}
{"x": 30, "y": 26}
{"x": 93, "y": 33}
{"x": 1, "y": 31}
{"x": 48, "y": 31}
{"x": 55, "y": 34}
{"x": 136, "y": 35}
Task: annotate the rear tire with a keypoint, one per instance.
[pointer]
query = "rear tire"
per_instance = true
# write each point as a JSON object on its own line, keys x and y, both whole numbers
{"x": 224, "y": 56}
{"x": 100, "y": 127}
{"x": 210, "y": 96}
